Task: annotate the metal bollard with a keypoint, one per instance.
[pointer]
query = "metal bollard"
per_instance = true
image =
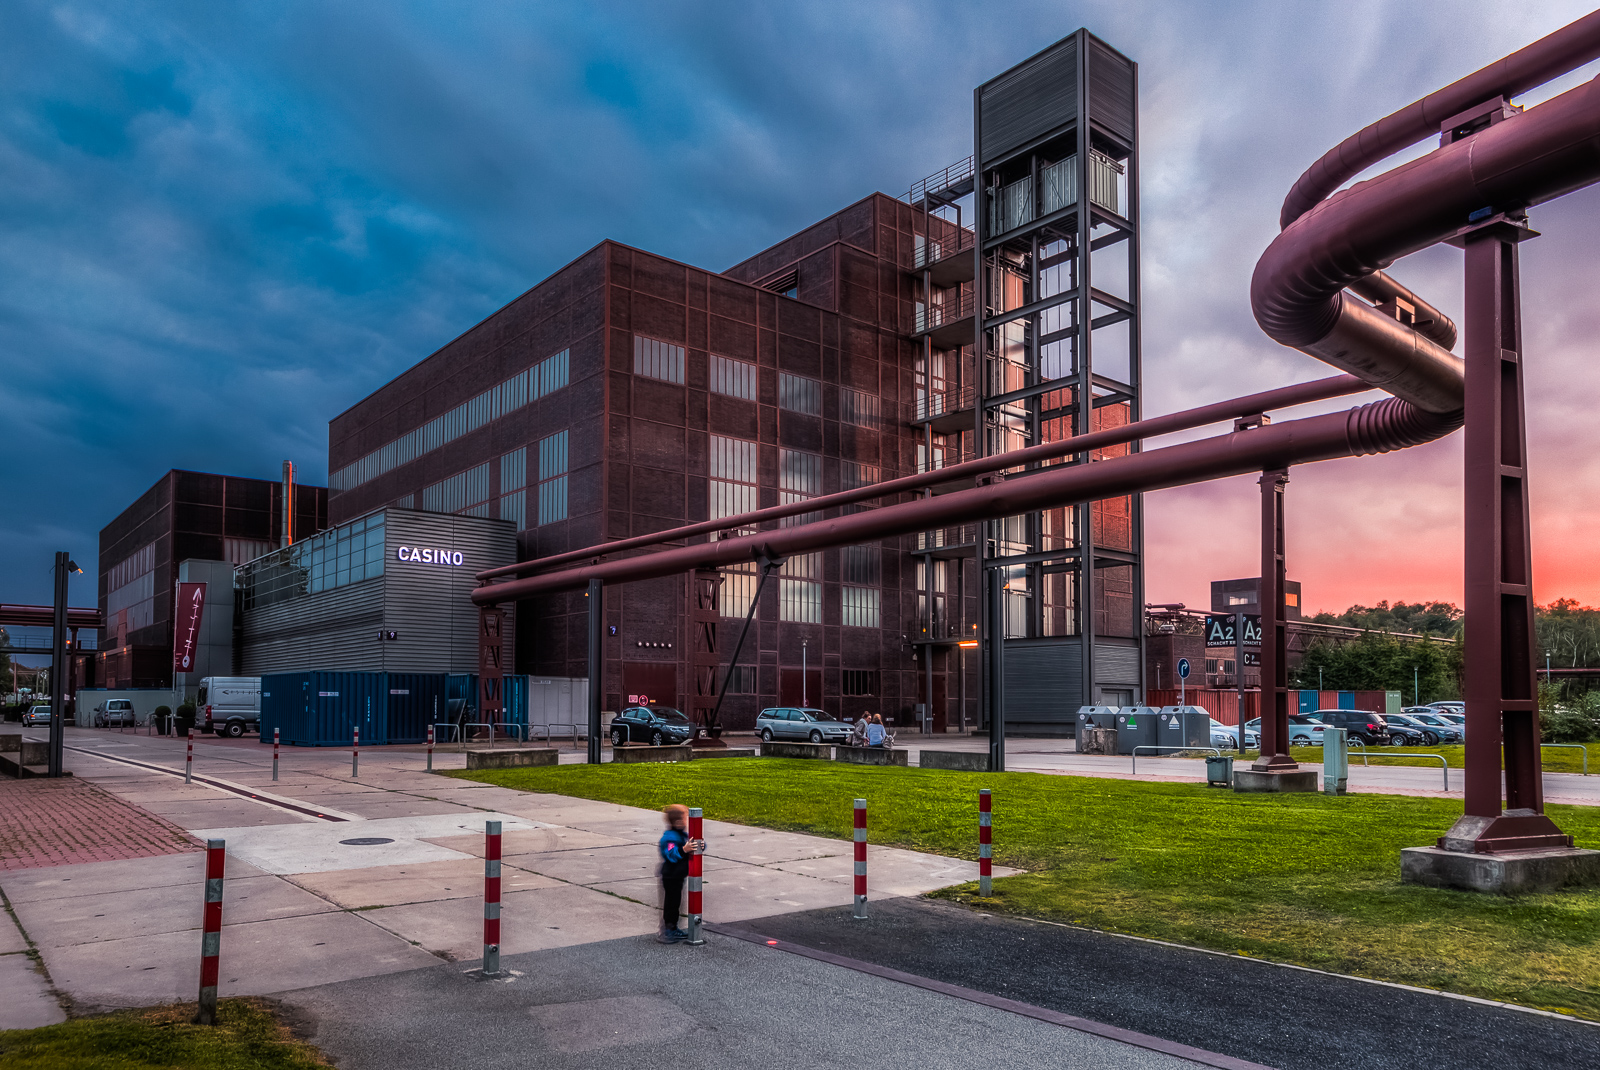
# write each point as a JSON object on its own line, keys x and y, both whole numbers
{"x": 985, "y": 865}
{"x": 211, "y": 929}
{"x": 430, "y": 748}
{"x": 694, "y": 880}
{"x": 1335, "y": 761}
{"x": 861, "y": 860}
{"x": 355, "y": 752}
{"x": 275, "y": 754}
{"x": 491, "y": 899}
{"x": 188, "y": 760}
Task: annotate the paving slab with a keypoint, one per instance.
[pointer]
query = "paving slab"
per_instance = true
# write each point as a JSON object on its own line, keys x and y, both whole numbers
{"x": 11, "y": 938}
{"x": 316, "y": 848}
{"x": 126, "y": 875}
{"x": 257, "y": 958}
{"x": 357, "y": 889}
{"x": 561, "y": 915}
{"x": 88, "y": 919}
{"x": 736, "y": 892}
{"x": 25, "y": 999}
{"x": 893, "y": 872}
{"x": 762, "y": 847}
{"x": 545, "y": 840}
{"x": 594, "y": 866}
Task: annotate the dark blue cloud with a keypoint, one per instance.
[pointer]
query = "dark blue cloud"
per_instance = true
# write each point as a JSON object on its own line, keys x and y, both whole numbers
{"x": 224, "y": 224}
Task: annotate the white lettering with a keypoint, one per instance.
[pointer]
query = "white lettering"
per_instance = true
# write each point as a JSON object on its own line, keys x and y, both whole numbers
{"x": 430, "y": 556}
{"x": 456, "y": 558}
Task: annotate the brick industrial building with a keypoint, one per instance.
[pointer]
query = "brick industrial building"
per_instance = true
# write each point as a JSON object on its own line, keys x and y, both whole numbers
{"x": 629, "y": 393}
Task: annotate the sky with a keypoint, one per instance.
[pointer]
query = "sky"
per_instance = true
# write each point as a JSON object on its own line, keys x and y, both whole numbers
{"x": 223, "y": 224}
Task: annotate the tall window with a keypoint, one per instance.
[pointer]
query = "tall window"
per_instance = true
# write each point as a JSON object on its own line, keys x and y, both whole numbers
{"x": 513, "y": 481}
{"x": 130, "y": 586}
{"x": 859, "y": 407}
{"x": 656, "y": 359}
{"x": 553, "y": 478}
{"x": 853, "y": 476}
{"x": 932, "y": 586}
{"x": 859, "y": 682}
{"x": 858, "y": 593}
{"x": 465, "y": 492}
{"x": 741, "y": 680}
{"x": 799, "y": 479}
{"x": 733, "y": 477}
{"x": 799, "y": 394}
{"x": 800, "y": 589}
{"x": 735, "y": 378}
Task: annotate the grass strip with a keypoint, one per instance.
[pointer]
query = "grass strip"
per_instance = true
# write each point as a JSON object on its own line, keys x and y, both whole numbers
{"x": 1556, "y": 759}
{"x": 1305, "y": 879}
{"x": 247, "y": 1036}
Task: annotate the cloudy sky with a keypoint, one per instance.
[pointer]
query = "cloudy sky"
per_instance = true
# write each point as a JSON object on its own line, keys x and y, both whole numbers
{"x": 222, "y": 224}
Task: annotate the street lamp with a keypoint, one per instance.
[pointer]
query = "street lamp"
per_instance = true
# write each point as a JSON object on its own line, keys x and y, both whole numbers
{"x": 64, "y": 567}
{"x": 1416, "y": 693}
{"x": 804, "y": 643}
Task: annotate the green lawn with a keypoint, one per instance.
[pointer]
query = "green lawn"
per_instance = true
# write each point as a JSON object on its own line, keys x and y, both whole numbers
{"x": 1306, "y": 879}
{"x": 246, "y": 1037}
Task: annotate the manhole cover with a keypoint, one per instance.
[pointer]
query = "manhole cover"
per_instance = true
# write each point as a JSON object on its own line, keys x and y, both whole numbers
{"x": 366, "y": 841}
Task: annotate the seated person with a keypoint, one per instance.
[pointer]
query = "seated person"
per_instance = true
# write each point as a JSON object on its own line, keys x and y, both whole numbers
{"x": 875, "y": 732}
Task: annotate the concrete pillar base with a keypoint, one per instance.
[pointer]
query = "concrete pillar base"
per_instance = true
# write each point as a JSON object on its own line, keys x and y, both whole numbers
{"x": 1548, "y": 869}
{"x": 1256, "y": 780}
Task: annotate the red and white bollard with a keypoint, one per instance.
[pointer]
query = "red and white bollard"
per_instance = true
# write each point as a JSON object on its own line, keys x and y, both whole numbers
{"x": 694, "y": 880}
{"x": 430, "y": 748}
{"x": 985, "y": 865}
{"x": 355, "y": 752}
{"x": 275, "y": 754}
{"x": 211, "y": 938}
{"x": 188, "y": 760}
{"x": 861, "y": 859}
{"x": 491, "y": 899}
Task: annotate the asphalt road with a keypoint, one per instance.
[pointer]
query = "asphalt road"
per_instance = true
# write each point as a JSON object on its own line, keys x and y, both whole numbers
{"x": 1284, "y": 1018}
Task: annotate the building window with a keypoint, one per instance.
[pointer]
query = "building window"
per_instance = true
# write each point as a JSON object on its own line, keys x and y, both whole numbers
{"x": 732, "y": 477}
{"x": 465, "y": 492}
{"x": 735, "y": 378}
{"x": 1240, "y": 600}
{"x": 858, "y": 606}
{"x": 854, "y": 476}
{"x": 799, "y": 479}
{"x": 859, "y": 682}
{"x": 131, "y": 587}
{"x": 799, "y": 394}
{"x": 553, "y": 478}
{"x": 858, "y": 594}
{"x": 513, "y": 480}
{"x": 344, "y": 555}
{"x": 655, "y": 359}
{"x": 741, "y": 680}
{"x": 859, "y": 407}
{"x": 932, "y": 585}
{"x": 238, "y": 551}
{"x": 531, "y": 384}
{"x": 1291, "y": 599}
{"x": 800, "y": 589}
{"x": 738, "y": 590}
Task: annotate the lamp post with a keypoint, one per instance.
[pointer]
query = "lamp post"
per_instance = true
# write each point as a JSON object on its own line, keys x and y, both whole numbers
{"x": 64, "y": 567}
{"x": 1416, "y": 692}
{"x": 804, "y": 698}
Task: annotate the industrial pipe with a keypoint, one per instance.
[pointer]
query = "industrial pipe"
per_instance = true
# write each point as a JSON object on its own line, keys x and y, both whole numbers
{"x": 1249, "y": 405}
{"x": 1376, "y": 428}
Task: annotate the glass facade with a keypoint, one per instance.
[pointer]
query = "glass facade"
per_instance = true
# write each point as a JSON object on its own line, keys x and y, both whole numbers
{"x": 350, "y": 553}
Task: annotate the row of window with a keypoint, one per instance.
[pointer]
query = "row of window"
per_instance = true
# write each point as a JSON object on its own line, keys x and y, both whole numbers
{"x": 799, "y": 581}
{"x": 468, "y": 492}
{"x": 343, "y": 555}
{"x": 531, "y": 384}
{"x": 856, "y": 682}
{"x": 131, "y": 586}
{"x": 655, "y": 359}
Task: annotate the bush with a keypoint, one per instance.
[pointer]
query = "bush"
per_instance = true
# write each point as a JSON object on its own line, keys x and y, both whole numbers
{"x": 186, "y": 711}
{"x": 1570, "y": 722}
{"x": 162, "y": 711}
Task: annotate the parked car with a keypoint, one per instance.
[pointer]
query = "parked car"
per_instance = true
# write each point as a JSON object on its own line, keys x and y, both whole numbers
{"x": 660, "y": 726}
{"x": 1445, "y": 730}
{"x": 1226, "y": 736}
{"x": 788, "y": 722}
{"x": 36, "y": 715}
{"x": 1364, "y": 725}
{"x": 115, "y": 711}
{"x": 1415, "y": 729}
{"x": 1455, "y": 719}
{"x": 229, "y": 705}
{"x": 1304, "y": 729}
{"x": 1452, "y": 706}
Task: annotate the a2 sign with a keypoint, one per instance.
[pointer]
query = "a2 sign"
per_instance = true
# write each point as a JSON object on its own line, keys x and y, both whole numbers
{"x": 1220, "y": 630}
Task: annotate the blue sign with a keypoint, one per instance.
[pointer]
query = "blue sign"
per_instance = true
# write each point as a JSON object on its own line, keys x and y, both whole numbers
{"x": 1183, "y": 668}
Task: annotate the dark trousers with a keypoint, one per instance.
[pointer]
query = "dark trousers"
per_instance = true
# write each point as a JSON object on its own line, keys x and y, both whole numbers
{"x": 672, "y": 878}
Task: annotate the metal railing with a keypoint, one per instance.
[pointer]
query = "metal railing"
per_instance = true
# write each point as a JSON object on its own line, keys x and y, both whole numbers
{"x": 548, "y": 736}
{"x": 930, "y": 406}
{"x": 940, "y": 181}
{"x": 515, "y": 733}
{"x": 1407, "y": 754}
{"x": 453, "y": 734}
{"x": 931, "y": 251}
{"x": 1572, "y": 747}
{"x": 1150, "y": 746}
{"x": 476, "y": 724}
{"x": 955, "y": 307}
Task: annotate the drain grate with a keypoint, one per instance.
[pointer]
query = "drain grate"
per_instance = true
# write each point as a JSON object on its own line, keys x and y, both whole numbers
{"x": 366, "y": 841}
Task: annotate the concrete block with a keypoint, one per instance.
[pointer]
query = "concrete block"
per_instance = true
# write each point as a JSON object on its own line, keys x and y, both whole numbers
{"x": 1254, "y": 780}
{"x": 512, "y": 759}
{"x": 652, "y": 754}
{"x": 723, "y": 752}
{"x": 1548, "y": 869}
{"x": 870, "y": 756}
{"x": 969, "y": 761}
{"x": 775, "y": 749}
{"x": 1097, "y": 741}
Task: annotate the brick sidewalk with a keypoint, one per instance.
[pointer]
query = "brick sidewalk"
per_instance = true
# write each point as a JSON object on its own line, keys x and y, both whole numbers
{"x": 60, "y": 822}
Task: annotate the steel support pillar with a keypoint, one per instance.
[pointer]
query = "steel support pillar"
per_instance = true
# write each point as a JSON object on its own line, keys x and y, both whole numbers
{"x": 1501, "y": 694}
{"x": 597, "y": 665}
{"x": 58, "y": 668}
{"x": 1274, "y": 629}
{"x": 994, "y": 677}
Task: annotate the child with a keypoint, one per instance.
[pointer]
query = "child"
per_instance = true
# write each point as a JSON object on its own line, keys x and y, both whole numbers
{"x": 675, "y": 847}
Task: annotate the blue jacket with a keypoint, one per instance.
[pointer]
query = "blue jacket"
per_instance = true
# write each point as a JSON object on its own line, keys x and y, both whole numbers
{"x": 671, "y": 846}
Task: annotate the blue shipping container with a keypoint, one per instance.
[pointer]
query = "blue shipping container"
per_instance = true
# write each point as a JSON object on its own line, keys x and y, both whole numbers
{"x": 463, "y": 701}
{"x": 415, "y": 701}
{"x": 1347, "y": 700}
{"x": 1308, "y": 702}
{"x": 323, "y": 709}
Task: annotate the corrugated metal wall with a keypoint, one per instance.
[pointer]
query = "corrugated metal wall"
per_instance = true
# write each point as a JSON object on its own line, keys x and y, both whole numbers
{"x": 1013, "y": 108}
{"x": 1044, "y": 682}
{"x": 428, "y": 604}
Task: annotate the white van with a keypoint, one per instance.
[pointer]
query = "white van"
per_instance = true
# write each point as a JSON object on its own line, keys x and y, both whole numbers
{"x": 229, "y": 705}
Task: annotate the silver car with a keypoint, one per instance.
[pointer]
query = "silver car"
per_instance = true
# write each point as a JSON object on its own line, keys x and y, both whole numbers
{"x": 789, "y": 722}
{"x": 36, "y": 715}
{"x": 116, "y": 711}
{"x": 1226, "y": 736}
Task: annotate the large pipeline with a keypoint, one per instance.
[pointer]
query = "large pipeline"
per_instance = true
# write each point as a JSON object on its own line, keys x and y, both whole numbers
{"x": 1298, "y": 294}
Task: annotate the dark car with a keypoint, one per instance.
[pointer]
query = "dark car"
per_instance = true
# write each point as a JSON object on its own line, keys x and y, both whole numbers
{"x": 1370, "y": 728}
{"x": 660, "y": 726}
{"x": 1405, "y": 729}
{"x": 1443, "y": 729}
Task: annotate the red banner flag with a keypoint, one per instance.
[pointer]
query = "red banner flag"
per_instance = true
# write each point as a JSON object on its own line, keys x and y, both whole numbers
{"x": 190, "y": 605}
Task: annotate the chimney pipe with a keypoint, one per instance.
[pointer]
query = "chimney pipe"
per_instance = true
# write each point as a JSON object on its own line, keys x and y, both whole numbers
{"x": 287, "y": 536}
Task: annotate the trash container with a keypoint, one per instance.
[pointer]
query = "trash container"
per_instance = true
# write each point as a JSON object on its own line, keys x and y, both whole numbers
{"x": 1136, "y": 727}
{"x": 1219, "y": 770}
{"x": 1094, "y": 717}
{"x": 1184, "y": 726}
